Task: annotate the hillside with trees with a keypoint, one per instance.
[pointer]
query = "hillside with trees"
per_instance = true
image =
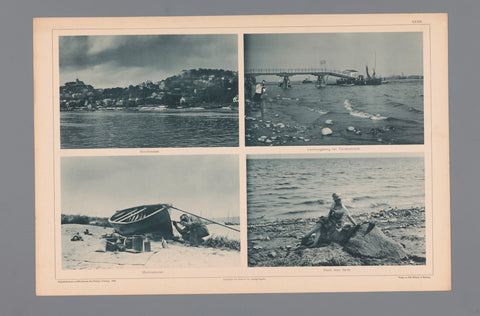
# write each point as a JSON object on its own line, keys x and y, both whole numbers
{"x": 208, "y": 88}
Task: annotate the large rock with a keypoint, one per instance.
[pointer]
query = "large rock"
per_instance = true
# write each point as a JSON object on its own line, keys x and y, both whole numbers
{"x": 370, "y": 241}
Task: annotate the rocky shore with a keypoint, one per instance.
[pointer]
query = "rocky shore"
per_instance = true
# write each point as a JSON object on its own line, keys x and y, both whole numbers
{"x": 277, "y": 243}
{"x": 284, "y": 125}
{"x": 274, "y": 129}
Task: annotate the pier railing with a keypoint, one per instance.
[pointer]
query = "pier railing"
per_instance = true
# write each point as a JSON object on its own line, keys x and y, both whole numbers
{"x": 298, "y": 71}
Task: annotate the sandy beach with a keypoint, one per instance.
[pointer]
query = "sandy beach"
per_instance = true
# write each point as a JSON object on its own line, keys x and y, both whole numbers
{"x": 90, "y": 253}
{"x": 277, "y": 243}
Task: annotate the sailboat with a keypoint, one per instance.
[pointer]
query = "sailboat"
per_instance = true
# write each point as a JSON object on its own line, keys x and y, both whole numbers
{"x": 372, "y": 80}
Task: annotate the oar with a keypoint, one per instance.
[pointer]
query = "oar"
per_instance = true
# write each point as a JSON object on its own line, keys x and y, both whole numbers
{"x": 237, "y": 230}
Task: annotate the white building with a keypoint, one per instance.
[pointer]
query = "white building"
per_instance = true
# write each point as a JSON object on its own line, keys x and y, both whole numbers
{"x": 351, "y": 73}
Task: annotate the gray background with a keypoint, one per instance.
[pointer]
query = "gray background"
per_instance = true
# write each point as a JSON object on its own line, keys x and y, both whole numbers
{"x": 17, "y": 266}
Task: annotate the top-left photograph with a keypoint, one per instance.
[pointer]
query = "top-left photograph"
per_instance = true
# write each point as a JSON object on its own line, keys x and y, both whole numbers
{"x": 148, "y": 91}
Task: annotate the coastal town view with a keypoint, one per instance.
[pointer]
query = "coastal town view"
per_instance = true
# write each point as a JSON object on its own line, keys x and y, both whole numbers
{"x": 198, "y": 88}
{"x": 148, "y": 91}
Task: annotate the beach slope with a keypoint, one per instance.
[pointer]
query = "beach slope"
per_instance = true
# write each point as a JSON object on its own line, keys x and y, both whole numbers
{"x": 277, "y": 243}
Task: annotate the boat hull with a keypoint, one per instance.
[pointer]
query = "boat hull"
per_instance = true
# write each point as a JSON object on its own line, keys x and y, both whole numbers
{"x": 143, "y": 219}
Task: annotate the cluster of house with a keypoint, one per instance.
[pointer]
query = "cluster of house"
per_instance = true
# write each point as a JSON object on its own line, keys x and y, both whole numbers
{"x": 189, "y": 88}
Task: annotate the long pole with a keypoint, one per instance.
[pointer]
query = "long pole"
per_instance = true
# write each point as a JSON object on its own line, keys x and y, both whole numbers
{"x": 237, "y": 230}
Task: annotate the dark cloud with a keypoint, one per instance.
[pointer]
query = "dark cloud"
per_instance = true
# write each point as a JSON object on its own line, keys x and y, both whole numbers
{"x": 154, "y": 53}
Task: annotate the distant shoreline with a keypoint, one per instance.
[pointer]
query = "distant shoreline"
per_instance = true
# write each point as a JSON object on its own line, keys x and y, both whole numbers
{"x": 157, "y": 109}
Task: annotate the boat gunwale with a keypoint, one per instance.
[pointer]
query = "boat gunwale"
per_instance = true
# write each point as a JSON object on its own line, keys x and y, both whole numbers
{"x": 164, "y": 206}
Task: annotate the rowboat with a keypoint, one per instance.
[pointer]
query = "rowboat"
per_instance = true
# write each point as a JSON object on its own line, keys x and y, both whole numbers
{"x": 143, "y": 219}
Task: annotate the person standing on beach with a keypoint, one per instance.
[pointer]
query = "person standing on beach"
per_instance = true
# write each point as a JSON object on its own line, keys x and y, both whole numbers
{"x": 259, "y": 90}
{"x": 258, "y": 96}
{"x": 334, "y": 222}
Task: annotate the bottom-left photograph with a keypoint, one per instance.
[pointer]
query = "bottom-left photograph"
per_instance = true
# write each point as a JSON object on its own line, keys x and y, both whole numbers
{"x": 153, "y": 212}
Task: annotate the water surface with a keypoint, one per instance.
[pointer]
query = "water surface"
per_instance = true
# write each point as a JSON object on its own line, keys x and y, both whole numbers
{"x": 121, "y": 129}
{"x": 286, "y": 188}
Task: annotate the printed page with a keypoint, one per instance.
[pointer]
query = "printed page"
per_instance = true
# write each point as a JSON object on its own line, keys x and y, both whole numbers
{"x": 241, "y": 154}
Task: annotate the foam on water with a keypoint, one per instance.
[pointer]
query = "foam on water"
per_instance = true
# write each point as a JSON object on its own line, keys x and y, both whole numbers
{"x": 321, "y": 112}
{"x": 354, "y": 112}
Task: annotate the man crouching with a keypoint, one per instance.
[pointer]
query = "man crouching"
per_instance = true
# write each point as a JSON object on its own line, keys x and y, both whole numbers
{"x": 193, "y": 229}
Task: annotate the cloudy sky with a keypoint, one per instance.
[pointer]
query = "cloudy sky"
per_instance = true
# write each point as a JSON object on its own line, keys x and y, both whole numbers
{"x": 117, "y": 61}
{"x": 206, "y": 185}
{"x": 396, "y": 53}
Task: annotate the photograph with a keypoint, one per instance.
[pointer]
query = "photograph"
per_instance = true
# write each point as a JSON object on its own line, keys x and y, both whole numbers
{"x": 150, "y": 212}
{"x": 148, "y": 91}
{"x": 336, "y": 210}
{"x": 334, "y": 89}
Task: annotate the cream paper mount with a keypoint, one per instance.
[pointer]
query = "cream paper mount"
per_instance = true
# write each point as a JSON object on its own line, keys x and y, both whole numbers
{"x": 247, "y": 125}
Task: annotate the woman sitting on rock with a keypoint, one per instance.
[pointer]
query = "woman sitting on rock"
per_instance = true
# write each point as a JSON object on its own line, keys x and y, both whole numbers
{"x": 329, "y": 228}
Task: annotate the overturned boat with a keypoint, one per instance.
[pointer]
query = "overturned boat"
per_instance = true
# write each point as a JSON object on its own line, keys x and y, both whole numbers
{"x": 143, "y": 219}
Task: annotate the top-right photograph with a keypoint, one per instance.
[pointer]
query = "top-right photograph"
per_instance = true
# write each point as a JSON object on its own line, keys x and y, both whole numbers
{"x": 334, "y": 89}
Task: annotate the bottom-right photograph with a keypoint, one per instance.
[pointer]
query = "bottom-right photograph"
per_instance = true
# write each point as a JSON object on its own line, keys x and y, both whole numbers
{"x": 336, "y": 209}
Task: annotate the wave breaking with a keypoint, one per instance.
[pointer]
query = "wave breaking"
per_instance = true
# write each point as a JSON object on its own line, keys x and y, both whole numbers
{"x": 354, "y": 112}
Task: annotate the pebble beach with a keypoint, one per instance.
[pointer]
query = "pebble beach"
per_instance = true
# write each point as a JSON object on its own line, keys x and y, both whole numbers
{"x": 335, "y": 115}
{"x": 277, "y": 243}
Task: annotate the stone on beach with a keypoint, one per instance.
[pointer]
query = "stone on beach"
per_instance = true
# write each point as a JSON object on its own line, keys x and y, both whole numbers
{"x": 370, "y": 241}
{"x": 351, "y": 129}
{"x": 328, "y": 122}
{"x": 326, "y": 131}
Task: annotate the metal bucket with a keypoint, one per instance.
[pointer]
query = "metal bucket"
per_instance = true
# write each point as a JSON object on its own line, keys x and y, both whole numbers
{"x": 138, "y": 243}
